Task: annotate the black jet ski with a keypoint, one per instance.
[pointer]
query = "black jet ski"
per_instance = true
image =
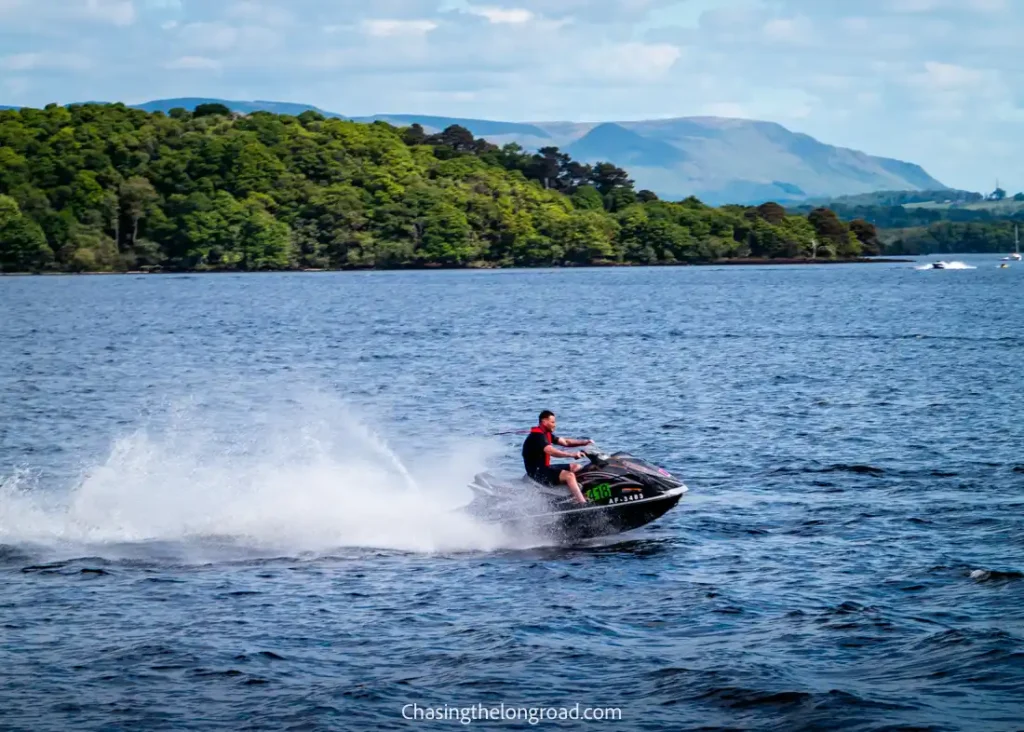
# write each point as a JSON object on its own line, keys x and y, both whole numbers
{"x": 623, "y": 493}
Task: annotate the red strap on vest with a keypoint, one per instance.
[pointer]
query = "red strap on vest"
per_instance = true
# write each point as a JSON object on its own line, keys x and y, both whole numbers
{"x": 547, "y": 436}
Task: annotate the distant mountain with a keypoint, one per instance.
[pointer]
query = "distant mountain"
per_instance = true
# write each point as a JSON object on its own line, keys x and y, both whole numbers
{"x": 719, "y": 160}
{"x": 625, "y": 148}
{"x": 190, "y": 103}
{"x": 480, "y": 127}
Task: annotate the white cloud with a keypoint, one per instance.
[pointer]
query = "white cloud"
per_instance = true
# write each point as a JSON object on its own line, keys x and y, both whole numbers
{"x": 21, "y": 61}
{"x": 16, "y": 85}
{"x": 636, "y": 64}
{"x": 209, "y": 36}
{"x": 725, "y": 109}
{"x": 931, "y": 6}
{"x": 989, "y": 6}
{"x": 262, "y": 13}
{"x": 193, "y": 63}
{"x": 830, "y": 82}
{"x": 916, "y": 6}
{"x": 45, "y": 62}
{"x": 220, "y": 37}
{"x": 118, "y": 12}
{"x": 387, "y": 28}
{"x": 511, "y": 16}
{"x": 944, "y": 76}
{"x": 793, "y": 31}
{"x": 856, "y": 24}
{"x": 639, "y": 61}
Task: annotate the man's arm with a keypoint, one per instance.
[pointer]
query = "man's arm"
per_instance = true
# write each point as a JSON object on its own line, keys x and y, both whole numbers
{"x": 555, "y": 452}
{"x": 567, "y": 442}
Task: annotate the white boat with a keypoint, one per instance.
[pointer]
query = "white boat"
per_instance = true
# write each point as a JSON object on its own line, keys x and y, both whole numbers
{"x": 1015, "y": 257}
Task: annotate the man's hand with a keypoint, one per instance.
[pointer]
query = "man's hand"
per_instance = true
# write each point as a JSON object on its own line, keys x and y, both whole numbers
{"x": 579, "y": 455}
{"x": 588, "y": 442}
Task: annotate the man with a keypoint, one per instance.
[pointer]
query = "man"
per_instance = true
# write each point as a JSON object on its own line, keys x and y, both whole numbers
{"x": 539, "y": 448}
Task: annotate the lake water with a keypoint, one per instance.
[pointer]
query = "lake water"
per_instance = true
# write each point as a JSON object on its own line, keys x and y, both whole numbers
{"x": 225, "y": 500}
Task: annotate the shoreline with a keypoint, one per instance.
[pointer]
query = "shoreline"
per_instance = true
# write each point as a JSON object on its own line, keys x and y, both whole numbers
{"x": 432, "y": 268}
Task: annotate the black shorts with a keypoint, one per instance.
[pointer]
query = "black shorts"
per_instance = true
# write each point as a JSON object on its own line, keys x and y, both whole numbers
{"x": 549, "y": 474}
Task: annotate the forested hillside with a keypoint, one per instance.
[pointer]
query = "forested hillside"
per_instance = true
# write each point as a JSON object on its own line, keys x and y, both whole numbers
{"x": 106, "y": 187}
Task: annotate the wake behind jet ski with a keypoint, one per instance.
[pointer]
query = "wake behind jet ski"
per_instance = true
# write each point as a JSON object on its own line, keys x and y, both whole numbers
{"x": 623, "y": 493}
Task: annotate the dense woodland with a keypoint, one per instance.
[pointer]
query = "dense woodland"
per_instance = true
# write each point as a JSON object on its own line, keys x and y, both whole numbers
{"x": 107, "y": 188}
{"x": 931, "y": 222}
{"x": 947, "y": 237}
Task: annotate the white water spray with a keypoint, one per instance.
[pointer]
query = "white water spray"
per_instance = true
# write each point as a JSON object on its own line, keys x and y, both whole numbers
{"x": 947, "y": 265}
{"x": 306, "y": 479}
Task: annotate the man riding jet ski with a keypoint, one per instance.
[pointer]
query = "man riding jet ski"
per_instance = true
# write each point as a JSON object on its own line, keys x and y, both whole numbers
{"x": 539, "y": 448}
{"x": 610, "y": 495}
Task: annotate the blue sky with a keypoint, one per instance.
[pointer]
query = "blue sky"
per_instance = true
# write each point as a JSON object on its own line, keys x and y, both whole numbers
{"x": 937, "y": 82}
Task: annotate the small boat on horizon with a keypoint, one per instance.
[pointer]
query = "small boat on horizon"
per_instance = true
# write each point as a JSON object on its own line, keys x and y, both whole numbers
{"x": 1015, "y": 257}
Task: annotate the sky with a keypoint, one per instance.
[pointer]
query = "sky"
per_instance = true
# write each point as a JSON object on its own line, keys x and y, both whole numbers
{"x": 935, "y": 82}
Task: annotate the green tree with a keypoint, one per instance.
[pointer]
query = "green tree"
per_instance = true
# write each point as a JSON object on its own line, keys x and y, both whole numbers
{"x": 23, "y": 246}
{"x": 210, "y": 109}
{"x": 867, "y": 235}
{"x": 771, "y": 212}
{"x": 264, "y": 242}
{"x": 255, "y": 170}
{"x": 90, "y": 249}
{"x": 607, "y": 177}
{"x": 832, "y": 233}
{"x": 446, "y": 237}
{"x": 333, "y": 229}
{"x": 588, "y": 237}
{"x": 137, "y": 196}
{"x": 587, "y": 198}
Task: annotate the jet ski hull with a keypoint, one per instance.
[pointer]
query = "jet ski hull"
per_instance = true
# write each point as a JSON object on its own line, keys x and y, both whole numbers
{"x": 591, "y": 522}
{"x": 623, "y": 493}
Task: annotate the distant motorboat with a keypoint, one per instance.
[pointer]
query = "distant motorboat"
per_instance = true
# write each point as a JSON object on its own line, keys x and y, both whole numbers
{"x": 946, "y": 265}
{"x": 942, "y": 264}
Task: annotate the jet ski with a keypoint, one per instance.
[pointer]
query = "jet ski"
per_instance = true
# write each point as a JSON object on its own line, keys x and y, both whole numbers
{"x": 623, "y": 493}
{"x": 938, "y": 265}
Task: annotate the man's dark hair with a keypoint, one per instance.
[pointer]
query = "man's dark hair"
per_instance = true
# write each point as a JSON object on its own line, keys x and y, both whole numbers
{"x": 545, "y": 414}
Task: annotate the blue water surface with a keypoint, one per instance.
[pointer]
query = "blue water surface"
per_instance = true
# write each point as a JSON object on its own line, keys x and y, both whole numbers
{"x": 226, "y": 500}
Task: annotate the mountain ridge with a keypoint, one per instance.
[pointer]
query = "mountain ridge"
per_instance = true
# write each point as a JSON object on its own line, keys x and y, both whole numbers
{"x": 718, "y": 159}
